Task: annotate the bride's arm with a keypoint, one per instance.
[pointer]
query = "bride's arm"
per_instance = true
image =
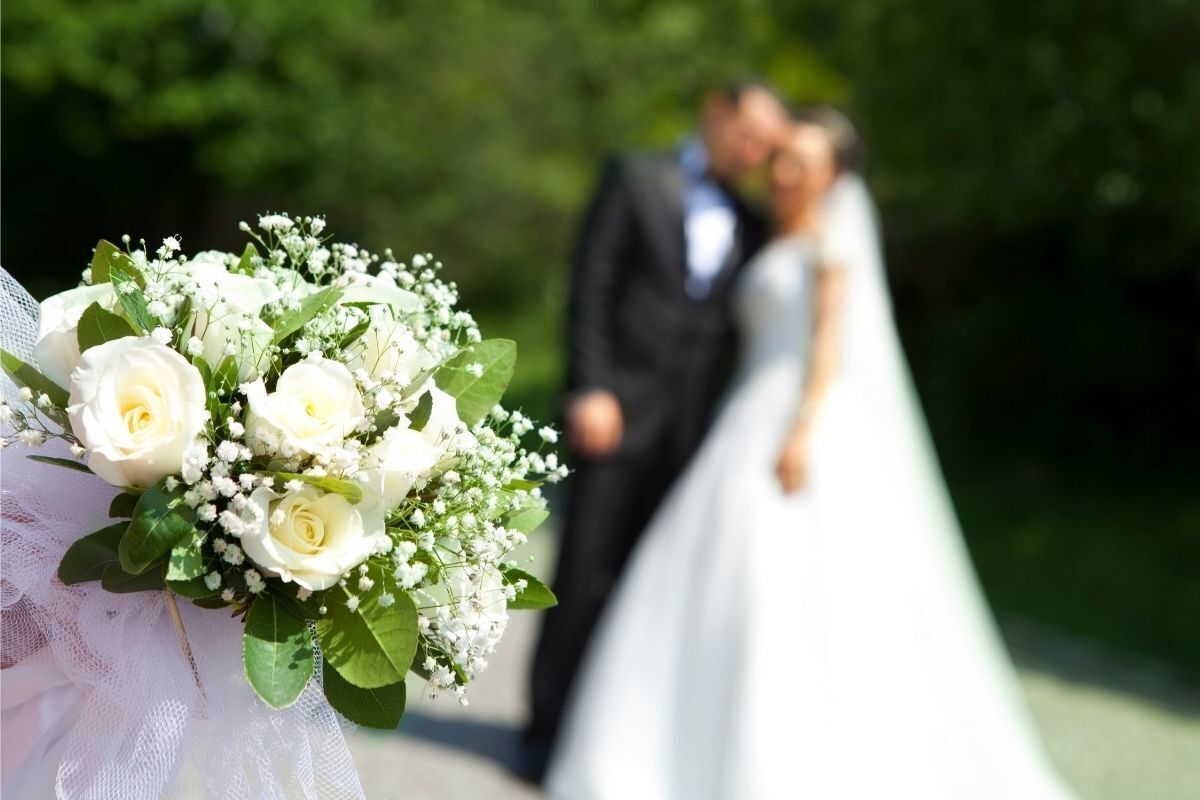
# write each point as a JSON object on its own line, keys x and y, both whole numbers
{"x": 822, "y": 367}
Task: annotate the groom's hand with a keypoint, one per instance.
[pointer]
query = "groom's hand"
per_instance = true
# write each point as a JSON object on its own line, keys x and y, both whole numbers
{"x": 595, "y": 423}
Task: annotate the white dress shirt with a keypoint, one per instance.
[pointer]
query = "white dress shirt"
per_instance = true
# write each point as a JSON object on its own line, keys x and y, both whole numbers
{"x": 709, "y": 221}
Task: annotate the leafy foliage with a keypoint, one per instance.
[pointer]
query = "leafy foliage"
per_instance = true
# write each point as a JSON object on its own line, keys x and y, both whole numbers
{"x": 476, "y": 394}
{"x": 161, "y": 519}
{"x": 1036, "y": 171}
{"x": 381, "y": 707}
{"x": 86, "y": 559}
{"x": 98, "y": 325}
{"x": 277, "y": 652}
{"x": 25, "y": 375}
{"x": 535, "y": 595}
{"x": 373, "y": 646}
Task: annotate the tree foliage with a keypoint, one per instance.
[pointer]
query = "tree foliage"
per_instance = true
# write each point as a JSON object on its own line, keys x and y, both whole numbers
{"x": 1036, "y": 164}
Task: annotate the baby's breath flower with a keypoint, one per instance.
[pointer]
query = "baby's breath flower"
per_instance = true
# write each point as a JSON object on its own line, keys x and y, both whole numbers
{"x": 254, "y": 581}
{"x": 31, "y": 438}
{"x": 233, "y": 555}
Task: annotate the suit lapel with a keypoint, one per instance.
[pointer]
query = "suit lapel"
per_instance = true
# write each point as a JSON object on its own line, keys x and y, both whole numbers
{"x": 665, "y": 190}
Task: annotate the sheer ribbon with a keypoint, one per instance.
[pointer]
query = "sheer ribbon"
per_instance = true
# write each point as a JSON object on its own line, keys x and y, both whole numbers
{"x": 99, "y": 702}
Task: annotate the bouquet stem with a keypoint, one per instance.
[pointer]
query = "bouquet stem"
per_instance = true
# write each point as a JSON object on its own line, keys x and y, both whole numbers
{"x": 177, "y": 620}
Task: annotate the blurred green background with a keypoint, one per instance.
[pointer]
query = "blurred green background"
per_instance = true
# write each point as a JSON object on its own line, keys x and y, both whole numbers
{"x": 1037, "y": 166}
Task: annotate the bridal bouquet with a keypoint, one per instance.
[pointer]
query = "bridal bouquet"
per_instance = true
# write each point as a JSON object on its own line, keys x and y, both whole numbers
{"x": 306, "y": 435}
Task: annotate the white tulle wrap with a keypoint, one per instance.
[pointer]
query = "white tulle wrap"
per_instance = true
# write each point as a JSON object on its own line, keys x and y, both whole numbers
{"x": 99, "y": 702}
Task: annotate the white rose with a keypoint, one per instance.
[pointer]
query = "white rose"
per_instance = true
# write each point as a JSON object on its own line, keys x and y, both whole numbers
{"x": 398, "y": 461}
{"x": 224, "y": 331}
{"x": 311, "y": 538}
{"x": 382, "y": 288}
{"x": 242, "y": 293}
{"x": 138, "y": 408}
{"x": 315, "y": 406}
{"x": 389, "y": 350}
{"x": 445, "y": 430}
{"x": 228, "y": 323}
{"x": 57, "y": 350}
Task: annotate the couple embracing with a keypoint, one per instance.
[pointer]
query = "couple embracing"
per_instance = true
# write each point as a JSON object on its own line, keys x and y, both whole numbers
{"x": 763, "y": 589}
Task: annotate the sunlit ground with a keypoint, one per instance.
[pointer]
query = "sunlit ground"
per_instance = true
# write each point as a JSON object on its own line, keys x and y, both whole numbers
{"x": 1119, "y": 727}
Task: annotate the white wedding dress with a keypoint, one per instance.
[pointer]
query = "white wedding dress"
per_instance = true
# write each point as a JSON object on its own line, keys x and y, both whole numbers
{"x": 826, "y": 645}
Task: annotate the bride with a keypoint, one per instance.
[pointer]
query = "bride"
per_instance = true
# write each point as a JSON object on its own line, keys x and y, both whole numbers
{"x": 800, "y": 619}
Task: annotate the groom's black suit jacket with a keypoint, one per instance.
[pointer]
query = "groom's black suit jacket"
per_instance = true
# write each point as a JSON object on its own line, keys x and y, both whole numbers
{"x": 633, "y": 330}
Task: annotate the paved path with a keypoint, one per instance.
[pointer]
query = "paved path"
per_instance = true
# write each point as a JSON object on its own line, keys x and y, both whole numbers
{"x": 1118, "y": 727}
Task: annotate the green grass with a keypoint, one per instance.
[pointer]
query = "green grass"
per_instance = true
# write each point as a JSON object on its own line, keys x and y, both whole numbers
{"x": 1112, "y": 562}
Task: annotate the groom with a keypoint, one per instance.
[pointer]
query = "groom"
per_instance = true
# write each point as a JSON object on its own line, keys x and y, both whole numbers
{"x": 650, "y": 341}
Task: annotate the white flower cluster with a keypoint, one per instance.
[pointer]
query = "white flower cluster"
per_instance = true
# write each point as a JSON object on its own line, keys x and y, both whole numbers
{"x": 293, "y": 397}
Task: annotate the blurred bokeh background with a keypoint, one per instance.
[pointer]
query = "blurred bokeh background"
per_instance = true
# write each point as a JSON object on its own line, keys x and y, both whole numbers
{"x": 1037, "y": 166}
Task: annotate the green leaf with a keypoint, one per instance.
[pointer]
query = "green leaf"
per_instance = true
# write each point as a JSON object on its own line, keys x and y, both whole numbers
{"x": 418, "y": 662}
{"x": 207, "y": 602}
{"x": 182, "y": 329}
{"x": 132, "y": 299}
{"x": 211, "y": 400}
{"x": 373, "y": 646}
{"x": 355, "y": 333}
{"x": 161, "y": 520}
{"x": 347, "y": 489}
{"x": 194, "y": 589}
{"x": 418, "y": 381}
{"x": 220, "y": 384}
{"x": 521, "y": 485}
{"x": 25, "y": 375}
{"x": 424, "y": 650}
{"x": 291, "y": 321}
{"x": 477, "y": 395}
{"x": 419, "y": 417}
{"x": 536, "y": 594}
{"x": 98, "y": 326}
{"x": 107, "y": 256}
{"x": 526, "y": 520}
{"x": 277, "y": 652}
{"x": 383, "y": 420}
{"x": 225, "y": 377}
{"x": 122, "y": 505}
{"x": 62, "y": 462}
{"x": 185, "y": 561}
{"x": 86, "y": 559}
{"x": 372, "y": 708}
{"x": 245, "y": 266}
{"x": 116, "y": 580}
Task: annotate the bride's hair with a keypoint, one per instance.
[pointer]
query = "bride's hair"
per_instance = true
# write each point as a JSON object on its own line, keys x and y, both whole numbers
{"x": 847, "y": 146}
